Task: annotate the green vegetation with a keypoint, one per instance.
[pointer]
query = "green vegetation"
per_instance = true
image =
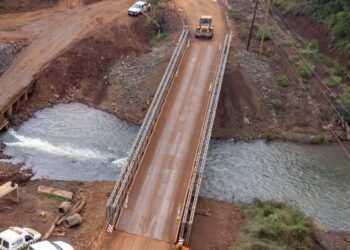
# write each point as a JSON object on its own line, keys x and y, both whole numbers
{"x": 277, "y": 104}
{"x": 155, "y": 31}
{"x": 233, "y": 13}
{"x": 333, "y": 14}
{"x": 283, "y": 80}
{"x": 312, "y": 51}
{"x": 317, "y": 139}
{"x": 269, "y": 137}
{"x": 343, "y": 104}
{"x": 305, "y": 69}
{"x": 242, "y": 29}
{"x": 333, "y": 81}
{"x": 267, "y": 32}
{"x": 274, "y": 226}
{"x": 54, "y": 197}
{"x": 294, "y": 58}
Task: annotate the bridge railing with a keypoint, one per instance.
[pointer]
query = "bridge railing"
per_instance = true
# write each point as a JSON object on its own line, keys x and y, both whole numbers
{"x": 196, "y": 179}
{"x": 119, "y": 194}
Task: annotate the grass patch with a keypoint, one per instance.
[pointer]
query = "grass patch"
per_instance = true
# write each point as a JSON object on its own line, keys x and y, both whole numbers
{"x": 294, "y": 58}
{"x": 312, "y": 51}
{"x": 317, "y": 139}
{"x": 158, "y": 38}
{"x": 277, "y": 104}
{"x": 274, "y": 225}
{"x": 267, "y": 32}
{"x": 233, "y": 13}
{"x": 242, "y": 29}
{"x": 305, "y": 69}
{"x": 53, "y": 197}
{"x": 333, "y": 81}
{"x": 269, "y": 137}
{"x": 283, "y": 80}
{"x": 343, "y": 104}
{"x": 156, "y": 33}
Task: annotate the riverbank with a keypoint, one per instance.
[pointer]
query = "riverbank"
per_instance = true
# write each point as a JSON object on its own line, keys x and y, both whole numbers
{"x": 120, "y": 76}
{"x": 38, "y": 212}
{"x": 217, "y": 224}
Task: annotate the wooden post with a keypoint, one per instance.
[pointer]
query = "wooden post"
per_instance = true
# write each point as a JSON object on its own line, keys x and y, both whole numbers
{"x": 253, "y": 21}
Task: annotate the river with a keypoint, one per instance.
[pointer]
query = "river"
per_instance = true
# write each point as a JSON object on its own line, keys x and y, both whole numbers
{"x": 76, "y": 142}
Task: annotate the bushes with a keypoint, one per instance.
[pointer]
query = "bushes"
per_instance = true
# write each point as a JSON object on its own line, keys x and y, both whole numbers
{"x": 333, "y": 81}
{"x": 317, "y": 139}
{"x": 233, "y": 13}
{"x": 267, "y": 32}
{"x": 277, "y": 104}
{"x": 283, "y": 80}
{"x": 335, "y": 14}
{"x": 274, "y": 225}
{"x": 312, "y": 51}
{"x": 305, "y": 69}
{"x": 343, "y": 104}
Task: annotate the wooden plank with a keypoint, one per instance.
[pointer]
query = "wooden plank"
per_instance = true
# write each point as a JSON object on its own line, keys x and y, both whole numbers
{"x": 10, "y": 191}
{"x": 56, "y": 192}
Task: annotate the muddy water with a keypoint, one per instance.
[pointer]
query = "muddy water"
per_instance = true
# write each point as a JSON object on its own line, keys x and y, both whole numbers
{"x": 71, "y": 142}
{"x": 313, "y": 178}
{"x": 75, "y": 142}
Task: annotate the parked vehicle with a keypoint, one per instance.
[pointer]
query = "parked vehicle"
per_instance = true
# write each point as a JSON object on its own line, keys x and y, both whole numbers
{"x": 205, "y": 28}
{"x": 16, "y": 238}
{"x": 47, "y": 245}
{"x": 138, "y": 8}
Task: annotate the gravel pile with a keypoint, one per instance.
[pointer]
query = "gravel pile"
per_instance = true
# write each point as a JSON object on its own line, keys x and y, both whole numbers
{"x": 133, "y": 73}
{"x": 259, "y": 70}
{"x": 257, "y": 67}
{"x": 8, "y": 52}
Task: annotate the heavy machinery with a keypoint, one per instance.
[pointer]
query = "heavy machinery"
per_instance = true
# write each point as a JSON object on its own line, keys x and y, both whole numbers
{"x": 205, "y": 28}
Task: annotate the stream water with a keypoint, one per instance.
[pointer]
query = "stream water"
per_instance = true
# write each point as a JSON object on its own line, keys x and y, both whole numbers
{"x": 75, "y": 142}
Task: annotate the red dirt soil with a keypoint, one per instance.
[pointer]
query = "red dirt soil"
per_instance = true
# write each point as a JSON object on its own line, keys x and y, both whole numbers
{"x": 11, "y": 6}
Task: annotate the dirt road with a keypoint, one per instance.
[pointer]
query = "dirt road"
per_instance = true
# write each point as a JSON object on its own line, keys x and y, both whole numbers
{"x": 53, "y": 32}
{"x": 158, "y": 193}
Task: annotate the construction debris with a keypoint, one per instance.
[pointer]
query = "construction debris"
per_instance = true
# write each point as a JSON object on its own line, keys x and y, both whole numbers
{"x": 55, "y": 192}
{"x": 10, "y": 191}
{"x": 76, "y": 209}
{"x": 73, "y": 220}
{"x": 65, "y": 207}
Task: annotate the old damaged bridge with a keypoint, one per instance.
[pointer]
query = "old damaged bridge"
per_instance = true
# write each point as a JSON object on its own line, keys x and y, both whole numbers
{"x": 154, "y": 199}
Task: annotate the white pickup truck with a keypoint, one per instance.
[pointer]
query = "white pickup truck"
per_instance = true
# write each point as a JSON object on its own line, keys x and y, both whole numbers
{"x": 138, "y": 8}
{"x": 16, "y": 238}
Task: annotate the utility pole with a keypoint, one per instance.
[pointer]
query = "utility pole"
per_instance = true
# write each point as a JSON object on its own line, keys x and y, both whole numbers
{"x": 264, "y": 26}
{"x": 253, "y": 21}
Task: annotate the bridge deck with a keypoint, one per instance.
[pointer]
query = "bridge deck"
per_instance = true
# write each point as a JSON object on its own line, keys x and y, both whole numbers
{"x": 162, "y": 181}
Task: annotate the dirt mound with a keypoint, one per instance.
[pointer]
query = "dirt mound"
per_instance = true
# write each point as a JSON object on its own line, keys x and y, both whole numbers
{"x": 78, "y": 74}
{"x": 83, "y": 73}
{"x": 242, "y": 114}
{"x": 11, "y": 6}
{"x": 220, "y": 229}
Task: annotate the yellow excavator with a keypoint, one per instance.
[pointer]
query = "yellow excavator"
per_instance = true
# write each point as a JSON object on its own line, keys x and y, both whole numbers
{"x": 179, "y": 247}
{"x": 205, "y": 27}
